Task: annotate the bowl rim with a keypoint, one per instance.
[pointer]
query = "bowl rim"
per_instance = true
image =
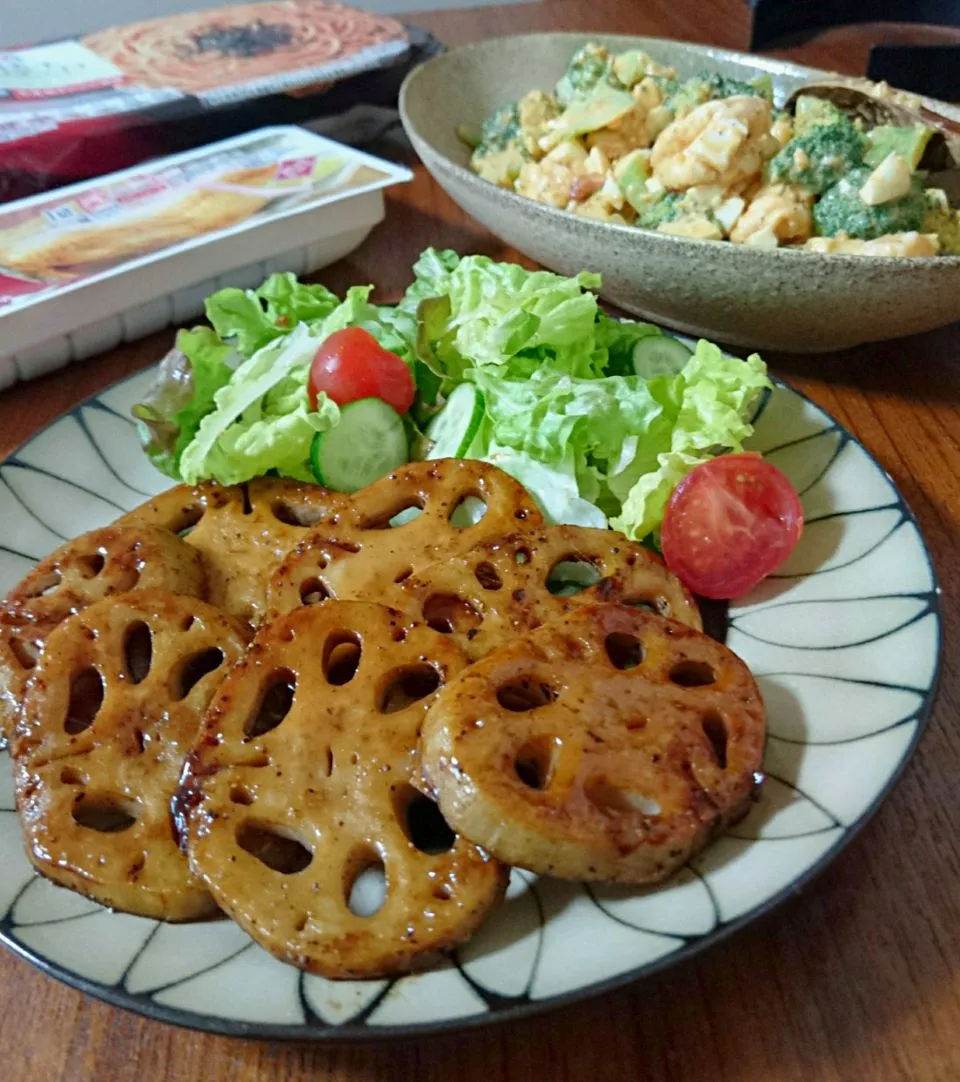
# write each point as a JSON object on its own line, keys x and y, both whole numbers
{"x": 772, "y": 65}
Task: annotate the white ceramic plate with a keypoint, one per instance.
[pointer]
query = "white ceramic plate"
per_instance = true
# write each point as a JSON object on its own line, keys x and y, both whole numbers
{"x": 845, "y": 643}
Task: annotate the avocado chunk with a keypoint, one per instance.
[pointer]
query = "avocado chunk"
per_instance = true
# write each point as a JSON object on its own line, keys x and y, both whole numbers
{"x": 601, "y": 107}
{"x": 632, "y": 174}
{"x": 909, "y": 143}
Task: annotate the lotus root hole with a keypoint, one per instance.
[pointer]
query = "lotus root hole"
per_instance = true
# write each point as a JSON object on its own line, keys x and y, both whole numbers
{"x": 488, "y": 577}
{"x": 365, "y": 884}
{"x": 715, "y": 731}
{"x": 195, "y": 668}
{"x": 406, "y": 686}
{"x": 534, "y": 763}
{"x": 301, "y": 922}
{"x": 274, "y": 847}
{"x": 422, "y": 821}
{"x": 659, "y": 606}
{"x": 521, "y": 556}
{"x": 341, "y": 657}
{"x": 187, "y": 622}
{"x": 70, "y": 776}
{"x": 612, "y": 800}
{"x": 447, "y": 613}
{"x": 468, "y": 511}
{"x": 274, "y": 704}
{"x": 693, "y": 674}
{"x": 442, "y": 892}
{"x": 188, "y": 519}
{"x": 92, "y": 565}
{"x": 26, "y": 652}
{"x": 408, "y": 514}
{"x": 292, "y": 515}
{"x": 572, "y": 574}
{"x": 403, "y": 574}
{"x": 240, "y": 794}
{"x": 624, "y": 650}
{"x": 138, "y": 651}
{"x": 105, "y": 814}
{"x": 400, "y": 513}
{"x": 313, "y": 591}
{"x": 525, "y": 693}
{"x": 246, "y": 504}
{"x": 46, "y": 585}
{"x": 86, "y": 698}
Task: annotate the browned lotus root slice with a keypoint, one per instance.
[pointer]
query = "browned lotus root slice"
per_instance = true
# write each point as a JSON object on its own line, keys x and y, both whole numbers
{"x": 611, "y": 745}
{"x": 301, "y": 786}
{"x": 96, "y": 565}
{"x": 242, "y": 531}
{"x": 114, "y": 704}
{"x": 359, "y": 556}
{"x": 507, "y": 586}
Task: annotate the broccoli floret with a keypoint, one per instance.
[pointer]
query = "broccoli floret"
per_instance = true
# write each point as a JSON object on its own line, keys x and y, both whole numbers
{"x": 725, "y": 86}
{"x": 654, "y": 209}
{"x": 500, "y": 154}
{"x": 682, "y": 97}
{"x": 820, "y": 157}
{"x": 944, "y": 220}
{"x": 841, "y": 210}
{"x": 500, "y": 128}
{"x": 588, "y": 66}
{"x": 811, "y": 111}
{"x": 688, "y": 95}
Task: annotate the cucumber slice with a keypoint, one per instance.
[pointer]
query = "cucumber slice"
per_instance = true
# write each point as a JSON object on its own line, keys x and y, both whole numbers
{"x": 659, "y": 355}
{"x": 369, "y": 442}
{"x": 452, "y": 430}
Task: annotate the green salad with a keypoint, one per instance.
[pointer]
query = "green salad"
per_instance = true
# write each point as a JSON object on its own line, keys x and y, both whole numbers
{"x": 598, "y": 418}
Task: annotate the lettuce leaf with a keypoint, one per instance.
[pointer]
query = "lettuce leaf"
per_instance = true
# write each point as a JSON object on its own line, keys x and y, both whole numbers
{"x": 249, "y": 318}
{"x": 475, "y": 313}
{"x": 554, "y": 487}
{"x": 712, "y": 402}
{"x": 262, "y": 419}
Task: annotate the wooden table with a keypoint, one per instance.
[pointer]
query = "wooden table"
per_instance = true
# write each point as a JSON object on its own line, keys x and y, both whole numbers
{"x": 859, "y": 978}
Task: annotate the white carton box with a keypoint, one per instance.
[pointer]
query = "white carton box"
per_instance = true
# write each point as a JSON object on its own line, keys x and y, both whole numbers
{"x": 85, "y": 268}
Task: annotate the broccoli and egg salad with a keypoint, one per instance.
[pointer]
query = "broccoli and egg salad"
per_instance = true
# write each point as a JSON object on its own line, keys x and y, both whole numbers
{"x": 622, "y": 139}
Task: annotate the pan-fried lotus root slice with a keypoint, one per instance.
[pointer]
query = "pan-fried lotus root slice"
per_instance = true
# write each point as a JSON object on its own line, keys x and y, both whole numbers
{"x": 299, "y": 797}
{"x": 509, "y": 585}
{"x": 96, "y": 565}
{"x": 609, "y": 746}
{"x": 242, "y": 531}
{"x": 114, "y": 704}
{"x": 423, "y": 512}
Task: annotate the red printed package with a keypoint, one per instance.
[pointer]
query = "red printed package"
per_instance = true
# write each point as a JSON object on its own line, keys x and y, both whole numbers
{"x": 71, "y": 110}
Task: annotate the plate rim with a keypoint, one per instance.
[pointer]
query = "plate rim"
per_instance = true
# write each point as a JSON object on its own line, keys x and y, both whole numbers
{"x": 351, "y": 1032}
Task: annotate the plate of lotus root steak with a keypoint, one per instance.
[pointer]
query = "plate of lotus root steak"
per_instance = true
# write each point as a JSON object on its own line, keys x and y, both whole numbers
{"x": 291, "y": 763}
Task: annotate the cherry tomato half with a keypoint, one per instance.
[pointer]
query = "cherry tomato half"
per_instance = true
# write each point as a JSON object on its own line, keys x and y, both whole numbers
{"x": 352, "y": 364}
{"x": 729, "y": 523}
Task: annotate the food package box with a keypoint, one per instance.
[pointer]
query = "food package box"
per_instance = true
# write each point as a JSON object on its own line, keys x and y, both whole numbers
{"x": 71, "y": 110}
{"x": 108, "y": 261}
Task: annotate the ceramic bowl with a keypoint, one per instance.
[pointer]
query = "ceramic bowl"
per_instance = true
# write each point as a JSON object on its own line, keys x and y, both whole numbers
{"x": 786, "y": 300}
